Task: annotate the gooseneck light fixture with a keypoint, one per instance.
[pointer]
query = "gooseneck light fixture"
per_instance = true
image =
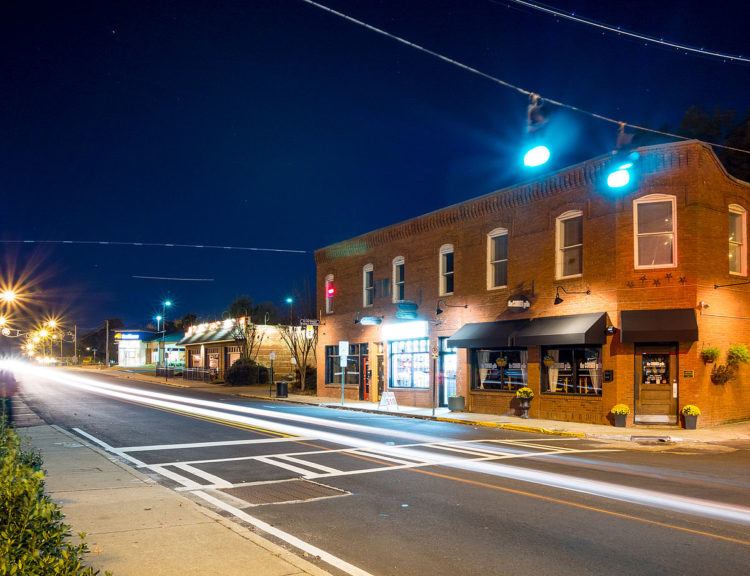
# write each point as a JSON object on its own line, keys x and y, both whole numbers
{"x": 439, "y": 309}
{"x": 558, "y": 298}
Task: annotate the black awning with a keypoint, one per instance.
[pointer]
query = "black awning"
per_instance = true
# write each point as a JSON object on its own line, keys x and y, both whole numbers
{"x": 487, "y": 334}
{"x": 564, "y": 330}
{"x": 676, "y": 325}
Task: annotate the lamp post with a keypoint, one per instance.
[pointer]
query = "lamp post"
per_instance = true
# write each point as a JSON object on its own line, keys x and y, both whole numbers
{"x": 164, "y": 305}
{"x": 289, "y": 300}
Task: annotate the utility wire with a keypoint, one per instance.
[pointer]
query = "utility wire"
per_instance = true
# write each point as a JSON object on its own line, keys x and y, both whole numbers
{"x": 505, "y": 83}
{"x": 552, "y": 11}
{"x": 175, "y": 279}
{"x": 154, "y": 244}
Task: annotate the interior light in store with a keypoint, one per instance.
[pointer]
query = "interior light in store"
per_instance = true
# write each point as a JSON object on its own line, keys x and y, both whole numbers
{"x": 404, "y": 330}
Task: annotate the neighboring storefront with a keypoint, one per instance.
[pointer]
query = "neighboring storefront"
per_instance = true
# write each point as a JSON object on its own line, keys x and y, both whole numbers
{"x": 131, "y": 347}
{"x": 168, "y": 345}
{"x": 588, "y": 298}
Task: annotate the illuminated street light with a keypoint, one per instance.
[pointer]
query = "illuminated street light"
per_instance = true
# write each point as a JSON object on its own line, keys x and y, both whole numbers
{"x": 52, "y": 323}
{"x": 43, "y": 333}
{"x": 537, "y": 156}
{"x": 8, "y": 296}
{"x": 3, "y": 320}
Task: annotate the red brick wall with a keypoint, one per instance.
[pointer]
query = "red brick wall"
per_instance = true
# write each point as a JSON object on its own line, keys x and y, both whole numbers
{"x": 689, "y": 171}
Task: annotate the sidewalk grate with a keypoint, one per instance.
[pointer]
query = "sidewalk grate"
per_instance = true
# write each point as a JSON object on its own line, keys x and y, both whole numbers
{"x": 283, "y": 492}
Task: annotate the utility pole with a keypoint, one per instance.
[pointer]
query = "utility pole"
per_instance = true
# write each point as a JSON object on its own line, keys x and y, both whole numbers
{"x": 106, "y": 352}
{"x": 75, "y": 343}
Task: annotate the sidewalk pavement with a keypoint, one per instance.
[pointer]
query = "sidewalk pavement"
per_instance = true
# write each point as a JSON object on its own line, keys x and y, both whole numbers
{"x": 712, "y": 434}
{"x": 135, "y": 526}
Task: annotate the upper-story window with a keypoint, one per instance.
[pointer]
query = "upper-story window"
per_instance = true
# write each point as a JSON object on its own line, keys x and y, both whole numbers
{"x": 655, "y": 225}
{"x": 497, "y": 258}
{"x": 446, "y": 269}
{"x": 330, "y": 292}
{"x": 737, "y": 240}
{"x": 569, "y": 239}
{"x": 399, "y": 285}
{"x": 368, "y": 286}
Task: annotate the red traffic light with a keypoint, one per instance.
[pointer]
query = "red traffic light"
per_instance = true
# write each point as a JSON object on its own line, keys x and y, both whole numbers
{"x": 330, "y": 291}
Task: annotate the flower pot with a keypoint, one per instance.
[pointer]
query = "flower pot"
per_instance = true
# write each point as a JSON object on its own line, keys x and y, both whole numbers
{"x": 524, "y": 404}
{"x": 620, "y": 420}
{"x": 691, "y": 422}
{"x": 456, "y": 403}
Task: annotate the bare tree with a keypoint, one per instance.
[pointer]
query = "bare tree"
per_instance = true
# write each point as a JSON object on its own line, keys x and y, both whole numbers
{"x": 247, "y": 337}
{"x": 301, "y": 344}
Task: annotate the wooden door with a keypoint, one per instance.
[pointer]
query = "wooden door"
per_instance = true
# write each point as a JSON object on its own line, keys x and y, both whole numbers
{"x": 656, "y": 373}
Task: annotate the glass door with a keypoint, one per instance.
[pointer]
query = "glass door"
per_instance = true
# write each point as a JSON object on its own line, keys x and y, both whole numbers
{"x": 656, "y": 380}
{"x": 447, "y": 366}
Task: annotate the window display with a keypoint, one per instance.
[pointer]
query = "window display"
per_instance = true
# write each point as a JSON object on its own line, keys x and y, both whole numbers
{"x": 500, "y": 369}
{"x": 410, "y": 363}
{"x": 572, "y": 370}
{"x": 655, "y": 369}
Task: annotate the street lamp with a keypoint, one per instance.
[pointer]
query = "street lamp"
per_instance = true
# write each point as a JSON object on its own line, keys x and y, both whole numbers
{"x": 289, "y": 300}
{"x": 164, "y": 305}
{"x": 8, "y": 296}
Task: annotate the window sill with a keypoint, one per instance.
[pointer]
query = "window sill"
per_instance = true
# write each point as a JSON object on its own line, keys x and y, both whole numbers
{"x": 656, "y": 267}
{"x": 486, "y": 391}
{"x": 575, "y": 394}
{"x": 504, "y": 287}
{"x": 444, "y": 294}
{"x": 572, "y": 277}
{"x": 738, "y": 274}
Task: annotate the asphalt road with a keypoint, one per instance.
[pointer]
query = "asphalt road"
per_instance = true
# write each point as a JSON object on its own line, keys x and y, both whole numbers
{"x": 398, "y": 496}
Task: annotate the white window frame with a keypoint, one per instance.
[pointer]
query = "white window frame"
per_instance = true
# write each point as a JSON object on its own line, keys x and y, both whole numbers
{"x": 491, "y": 263}
{"x": 442, "y": 279}
{"x": 368, "y": 290}
{"x": 398, "y": 261}
{"x": 559, "y": 221}
{"x": 652, "y": 198}
{"x": 740, "y": 211}
{"x": 328, "y": 299}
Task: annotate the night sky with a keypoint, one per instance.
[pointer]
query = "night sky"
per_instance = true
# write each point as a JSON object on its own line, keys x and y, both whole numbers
{"x": 274, "y": 124}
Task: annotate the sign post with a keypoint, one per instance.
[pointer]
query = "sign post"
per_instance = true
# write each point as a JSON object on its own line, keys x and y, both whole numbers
{"x": 272, "y": 357}
{"x": 343, "y": 358}
{"x": 435, "y": 354}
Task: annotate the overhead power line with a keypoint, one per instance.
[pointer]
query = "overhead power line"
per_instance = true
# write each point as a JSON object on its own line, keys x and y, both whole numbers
{"x": 154, "y": 245}
{"x": 554, "y": 12}
{"x": 505, "y": 83}
{"x": 173, "y": 279}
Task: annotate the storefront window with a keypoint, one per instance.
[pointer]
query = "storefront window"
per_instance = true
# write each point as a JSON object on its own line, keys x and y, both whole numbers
{"x": 572, "y": 370}
{"x": 333, "y": 369}
{"x": 500, "y": 369}
{"x": 409, "y": 363}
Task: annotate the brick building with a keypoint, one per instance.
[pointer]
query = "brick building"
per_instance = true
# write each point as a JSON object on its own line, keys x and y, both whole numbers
{"x": 591, "y": 297}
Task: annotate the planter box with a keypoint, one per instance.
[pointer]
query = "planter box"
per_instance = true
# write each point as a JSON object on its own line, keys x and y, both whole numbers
{"x": 691, "y": 422}
{"x": 456, "y": 403}
{"x": 620, "y": 420}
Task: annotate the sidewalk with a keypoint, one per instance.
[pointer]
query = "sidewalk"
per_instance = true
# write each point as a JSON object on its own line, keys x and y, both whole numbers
{"x": 713, "y": 434}
{"x": 135, "y": 526}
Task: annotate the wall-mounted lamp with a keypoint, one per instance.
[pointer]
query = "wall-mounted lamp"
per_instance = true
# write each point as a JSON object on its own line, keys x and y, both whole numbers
{"x": 703, "y": 305}
{"x": 439, "y": 310}
{"x": 368, "y": 320}
{"x": 559, "y": 300}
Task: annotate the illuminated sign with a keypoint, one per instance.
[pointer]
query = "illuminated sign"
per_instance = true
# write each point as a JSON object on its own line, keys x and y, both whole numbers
{"x": 127, "y": 336}
{"x": 404, "y": 330}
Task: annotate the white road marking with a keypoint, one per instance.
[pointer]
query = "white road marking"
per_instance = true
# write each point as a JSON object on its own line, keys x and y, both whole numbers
{"x": 296, "y": 469}
{"x": 326, "y": 557}
{"x": 215, "y": 480}
{"x": 186, "y": 482}
{"x": 310, "y": 464}
{"x": 109, "y": 448}
{"x": 210, "y": 444}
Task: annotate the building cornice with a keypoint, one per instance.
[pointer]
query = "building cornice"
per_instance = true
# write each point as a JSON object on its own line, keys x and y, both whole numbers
{"x": 657, "y": 158}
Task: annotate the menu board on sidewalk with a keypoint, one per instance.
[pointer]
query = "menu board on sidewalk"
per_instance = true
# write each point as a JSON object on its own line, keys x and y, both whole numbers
{"x": 388, "y": 401}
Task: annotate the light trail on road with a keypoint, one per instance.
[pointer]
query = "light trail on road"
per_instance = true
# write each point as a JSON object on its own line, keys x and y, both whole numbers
{"x": 254, "y": 417}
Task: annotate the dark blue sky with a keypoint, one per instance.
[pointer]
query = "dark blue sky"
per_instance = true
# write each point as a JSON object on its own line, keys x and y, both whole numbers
{"x": 273, "y": 124}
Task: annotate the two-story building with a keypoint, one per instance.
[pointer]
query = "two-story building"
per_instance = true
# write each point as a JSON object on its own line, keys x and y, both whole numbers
{"x": 590, "y": 295}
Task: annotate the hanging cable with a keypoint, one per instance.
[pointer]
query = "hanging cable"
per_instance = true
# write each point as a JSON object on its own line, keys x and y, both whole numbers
{"x": 508, "y": 84}
{"x": 154, "y": 245}
{"x": 553, "y": 12}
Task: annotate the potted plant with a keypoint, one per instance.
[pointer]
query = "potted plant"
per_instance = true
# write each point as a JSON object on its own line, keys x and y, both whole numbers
{"x": 710, "y": 354}
{"x": 525, "y": 395}
{"x": 456, "y": 403}
{"x": 690, "y": 413}
{"x": 737, "y": 354}
{"x": 620, "y": 412}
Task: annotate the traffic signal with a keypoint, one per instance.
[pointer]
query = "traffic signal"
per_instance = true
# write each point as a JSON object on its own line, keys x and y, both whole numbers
{"x": 537, "y": 116}
{"x": 621, "y": 174}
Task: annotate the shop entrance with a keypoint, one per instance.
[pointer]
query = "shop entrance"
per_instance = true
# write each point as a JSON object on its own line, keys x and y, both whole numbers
{"x": 364, "y": 383}
{"x": 656, "y": 373}
{"x": 447, "y": 364}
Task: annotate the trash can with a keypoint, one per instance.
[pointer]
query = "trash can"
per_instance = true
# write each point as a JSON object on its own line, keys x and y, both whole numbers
{"x": 282, "y": 389}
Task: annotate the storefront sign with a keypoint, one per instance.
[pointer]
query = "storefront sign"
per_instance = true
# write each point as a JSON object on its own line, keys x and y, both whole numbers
{"x": 309, "y": 322}
{"x": 388, "y": 401}
{"x": 343, "y": 352}
{"x": 404, "y": 330}
{"x": 688, "y": 374}
{"x": 127, "y": 336}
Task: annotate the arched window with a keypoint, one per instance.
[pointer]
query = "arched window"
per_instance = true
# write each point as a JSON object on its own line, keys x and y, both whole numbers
{"x": 446, "y": 267}
{"x": 655, "y": 231}
{"x": 399, "y": 279}
{"x": 737, "y": 240}
{"x": 569, "y": 245}
{"x": 330, "y": 292}
{"x": 497, "y": 258}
